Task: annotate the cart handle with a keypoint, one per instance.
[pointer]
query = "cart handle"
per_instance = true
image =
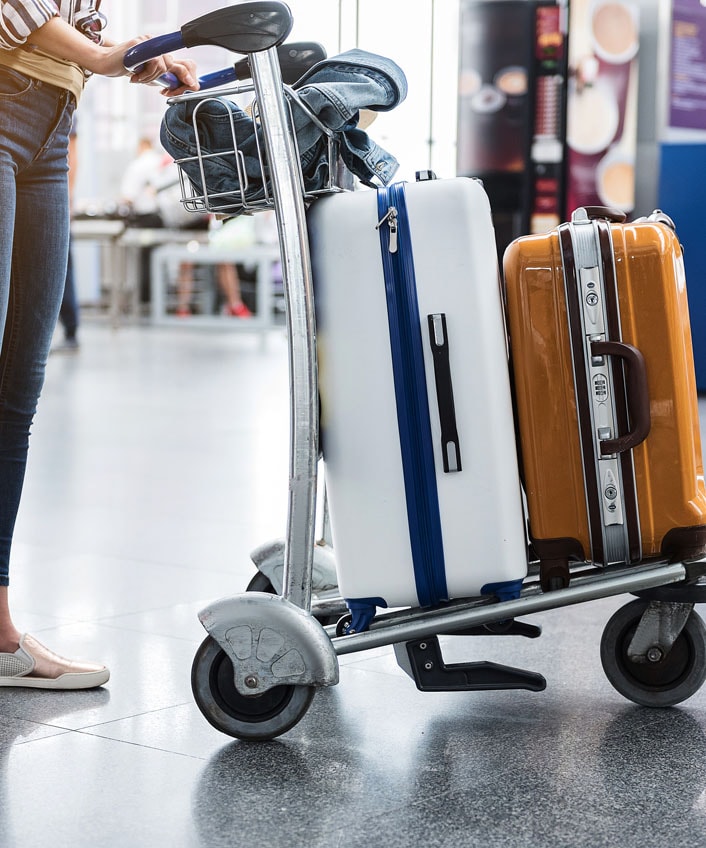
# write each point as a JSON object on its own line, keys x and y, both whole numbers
{"x": 242, "y": 28}
{"x": 295, "y": 59}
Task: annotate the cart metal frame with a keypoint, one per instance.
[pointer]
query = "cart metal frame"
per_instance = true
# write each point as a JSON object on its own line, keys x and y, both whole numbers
{"x": 266, "y": 653}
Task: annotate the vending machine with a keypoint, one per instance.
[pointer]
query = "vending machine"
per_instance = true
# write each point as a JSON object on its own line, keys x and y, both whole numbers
{"x": 547, "y": 109}
{"x": 602, "y": 99}
{"x": 512, "y": 110}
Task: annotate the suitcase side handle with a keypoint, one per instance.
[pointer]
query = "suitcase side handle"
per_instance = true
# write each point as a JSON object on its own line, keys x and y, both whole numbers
{"x": 439, "y": 340}
{"x": 637, "y": 395}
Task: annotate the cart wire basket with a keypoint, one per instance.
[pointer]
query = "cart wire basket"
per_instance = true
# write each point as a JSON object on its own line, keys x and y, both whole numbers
{"x": 250, "y": 193}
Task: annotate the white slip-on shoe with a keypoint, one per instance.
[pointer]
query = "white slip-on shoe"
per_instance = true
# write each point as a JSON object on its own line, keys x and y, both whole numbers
{"x": 35, "y": 666}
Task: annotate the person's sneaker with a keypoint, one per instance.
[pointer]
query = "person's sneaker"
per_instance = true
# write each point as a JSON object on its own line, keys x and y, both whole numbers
{"x": 183, "y": 312}
{"x": 239, "y": 311}
{"x": 35, "y": 666}
{"x": 66, "y": 346}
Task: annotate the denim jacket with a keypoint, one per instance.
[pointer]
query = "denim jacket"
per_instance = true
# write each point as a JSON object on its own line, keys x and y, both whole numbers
{"x": 334, "y": 90}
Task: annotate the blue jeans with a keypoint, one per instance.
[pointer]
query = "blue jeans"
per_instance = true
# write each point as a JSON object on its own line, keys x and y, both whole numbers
{"x": 334, "y": 90}
{"x": 34, "y": 242}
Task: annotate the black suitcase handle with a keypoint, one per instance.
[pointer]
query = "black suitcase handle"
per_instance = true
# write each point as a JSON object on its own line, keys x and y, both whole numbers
{"x": 637, "y": 394}
{"x": 439, "y": 340}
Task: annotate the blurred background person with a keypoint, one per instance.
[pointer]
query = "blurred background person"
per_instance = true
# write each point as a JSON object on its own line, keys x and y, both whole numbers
{"x": 137, "y": 188}
{"x": 69, "y": 312}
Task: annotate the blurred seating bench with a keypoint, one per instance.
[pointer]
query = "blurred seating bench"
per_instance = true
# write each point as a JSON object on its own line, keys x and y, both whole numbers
{"x": 167, "y": 260}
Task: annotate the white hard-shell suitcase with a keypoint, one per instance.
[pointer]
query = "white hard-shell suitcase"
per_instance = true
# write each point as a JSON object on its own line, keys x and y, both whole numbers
{"x": 417, "y": 428}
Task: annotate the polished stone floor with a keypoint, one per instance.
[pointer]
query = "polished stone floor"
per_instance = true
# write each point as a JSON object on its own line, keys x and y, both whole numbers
{"x": 158, "y": 462}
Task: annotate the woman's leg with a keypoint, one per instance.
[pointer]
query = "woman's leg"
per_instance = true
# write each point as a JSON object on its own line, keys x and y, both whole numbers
{"x": 33, "y": 257}
{"x": 34, "y": 242}
{"x": 9, "y": 634}
{"x": 185, "y": 285}
{"x": 229, "y": 281}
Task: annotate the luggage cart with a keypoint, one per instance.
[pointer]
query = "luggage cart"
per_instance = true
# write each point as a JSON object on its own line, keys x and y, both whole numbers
{"x": 267, "y": 653}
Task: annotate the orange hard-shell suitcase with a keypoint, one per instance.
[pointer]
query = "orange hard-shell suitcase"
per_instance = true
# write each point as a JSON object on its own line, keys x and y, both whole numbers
{"x": 605, "y": 393}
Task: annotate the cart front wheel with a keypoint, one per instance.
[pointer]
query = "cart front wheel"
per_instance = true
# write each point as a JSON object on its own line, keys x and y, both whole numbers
{"x": 671, "y": 679}
{"x": 252, "y": 717}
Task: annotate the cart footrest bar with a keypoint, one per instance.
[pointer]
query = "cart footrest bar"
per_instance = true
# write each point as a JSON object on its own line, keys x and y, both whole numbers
{"x": 423, "y": 662}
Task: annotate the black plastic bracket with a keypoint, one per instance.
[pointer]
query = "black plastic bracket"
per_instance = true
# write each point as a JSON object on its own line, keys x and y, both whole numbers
{"x": 679, "y": 593}
{"x": 423, "y": 662}
{"x": 509, "y": 627}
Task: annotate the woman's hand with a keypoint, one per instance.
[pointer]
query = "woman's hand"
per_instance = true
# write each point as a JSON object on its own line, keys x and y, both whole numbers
{"x": 183, "y": 69}
{"x": 111, "y": 64}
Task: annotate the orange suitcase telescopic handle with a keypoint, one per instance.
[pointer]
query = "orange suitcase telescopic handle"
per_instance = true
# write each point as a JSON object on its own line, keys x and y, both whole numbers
{"x": 605, "y": 213}
{"x": 637, "y": 395}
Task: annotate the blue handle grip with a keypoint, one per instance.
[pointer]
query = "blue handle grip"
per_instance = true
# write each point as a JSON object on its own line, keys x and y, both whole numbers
{"x": 150, "y": 49}
{"x": 212, "y": 80}
{"x": 218, "y": 78}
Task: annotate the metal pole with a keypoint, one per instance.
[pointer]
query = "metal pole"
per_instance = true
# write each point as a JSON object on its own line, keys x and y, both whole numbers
{"x": 303, "y": 379}
{"x": 431, "y": 86}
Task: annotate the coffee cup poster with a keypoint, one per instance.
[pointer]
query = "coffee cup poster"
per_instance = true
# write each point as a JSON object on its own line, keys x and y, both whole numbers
{"x": 601, "y": 117}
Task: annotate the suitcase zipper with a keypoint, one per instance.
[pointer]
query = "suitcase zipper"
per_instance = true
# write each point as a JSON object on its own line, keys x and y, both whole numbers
{"x": 390, "y": 218}
{"x": 411, "y": 397}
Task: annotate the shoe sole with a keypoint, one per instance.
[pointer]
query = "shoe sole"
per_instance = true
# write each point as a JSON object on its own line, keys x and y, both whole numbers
{"x": 87, "y": 680}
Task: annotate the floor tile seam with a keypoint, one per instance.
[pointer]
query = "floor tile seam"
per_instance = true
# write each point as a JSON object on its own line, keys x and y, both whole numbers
{"x": 160, "y": 608}
{"x": 150, "y": 634}
{"x": 61, "y": 731}
{"x": 48, "y": 724}
{"x": 24, "y": 718}
{"x": 51, "y": 556}
{"x": 55, "y": 622}
{"x": 138, "y": 561}
{"x": 88, "y": 727}
{"x": 105, "y": 621}
{"x": 397, "y": 674}
{"x": 141, "y": 745}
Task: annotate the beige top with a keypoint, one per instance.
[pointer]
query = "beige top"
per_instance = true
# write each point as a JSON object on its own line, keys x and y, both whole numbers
{"x": 42, "y": 66}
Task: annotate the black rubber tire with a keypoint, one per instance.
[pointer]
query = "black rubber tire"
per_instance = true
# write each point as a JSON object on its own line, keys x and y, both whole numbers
{"x": 343, "y": 624}
{"x": 261, "y": 583}
{"x": 673, "y": 679}
{"x": 252, "y": 717}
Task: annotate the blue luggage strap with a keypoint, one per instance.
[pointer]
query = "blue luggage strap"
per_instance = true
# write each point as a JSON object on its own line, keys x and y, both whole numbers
{"x": 413, "y": 419}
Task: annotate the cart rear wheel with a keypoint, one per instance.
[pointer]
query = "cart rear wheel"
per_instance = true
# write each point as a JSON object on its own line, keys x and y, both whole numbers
{"x": 262, "y": 583}
{"x": 251, "y": 717}
{"x": 668, "y": 681}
